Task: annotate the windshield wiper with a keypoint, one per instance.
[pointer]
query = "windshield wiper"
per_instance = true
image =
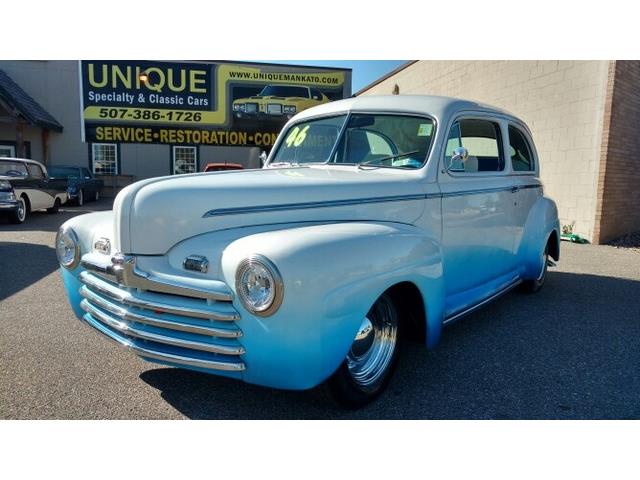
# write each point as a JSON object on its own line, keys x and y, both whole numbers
{"x": 384, "y": 159}
{"x": 282, "y": 164}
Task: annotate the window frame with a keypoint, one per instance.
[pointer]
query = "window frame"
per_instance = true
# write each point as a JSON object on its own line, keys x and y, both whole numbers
{"x": 499, "y": 122}
{"x": 116, "y": 158}
{"x": 534, "y": 154}
{"x": 173, "y": 158}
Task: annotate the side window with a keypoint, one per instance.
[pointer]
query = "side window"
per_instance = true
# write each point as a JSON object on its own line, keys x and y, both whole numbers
{"x": 86, "y": 173}
{"x": 35, "y": 171}
{"x": 520, "y": 151}
{"x": 481, "y": 138}
{"x": 315, "y": 94}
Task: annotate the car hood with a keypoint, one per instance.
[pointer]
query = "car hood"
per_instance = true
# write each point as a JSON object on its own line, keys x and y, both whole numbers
{"x": 153, "y": 215}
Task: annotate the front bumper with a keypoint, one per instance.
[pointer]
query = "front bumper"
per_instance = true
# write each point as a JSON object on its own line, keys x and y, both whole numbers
{"x": 8, "y": 206}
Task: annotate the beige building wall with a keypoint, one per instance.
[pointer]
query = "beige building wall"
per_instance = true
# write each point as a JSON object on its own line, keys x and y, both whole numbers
{"x": 561, "y": 101}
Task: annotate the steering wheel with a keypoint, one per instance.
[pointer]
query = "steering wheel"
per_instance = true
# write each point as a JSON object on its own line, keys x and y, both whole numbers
{"x": 13, "y": 173}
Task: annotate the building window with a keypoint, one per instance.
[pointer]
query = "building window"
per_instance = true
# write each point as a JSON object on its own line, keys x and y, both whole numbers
{"x": 7, "y": 151}
{"x": 185, "y": 160}
{"x": 104, "y": 158}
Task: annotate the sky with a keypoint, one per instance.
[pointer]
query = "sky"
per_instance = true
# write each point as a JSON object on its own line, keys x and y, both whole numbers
{"x": 364, "y": 71}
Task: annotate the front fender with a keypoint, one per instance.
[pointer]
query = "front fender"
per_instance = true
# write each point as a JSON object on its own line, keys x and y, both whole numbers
{"x": 541, "y": 223}
{"x": 332, "y": 275}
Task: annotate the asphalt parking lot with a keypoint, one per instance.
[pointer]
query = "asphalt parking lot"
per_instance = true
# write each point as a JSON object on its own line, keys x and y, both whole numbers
{"x": 569, "y": 352}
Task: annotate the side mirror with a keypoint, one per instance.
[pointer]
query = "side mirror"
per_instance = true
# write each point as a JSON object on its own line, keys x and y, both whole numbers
{"x": 460, "y": 154}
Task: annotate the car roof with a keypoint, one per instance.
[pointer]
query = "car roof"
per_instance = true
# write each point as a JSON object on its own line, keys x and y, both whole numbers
{"x": 435, "y": 106}
{"x": 26, "y": 160}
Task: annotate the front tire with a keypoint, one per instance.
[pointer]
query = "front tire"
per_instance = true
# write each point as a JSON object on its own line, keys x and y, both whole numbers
{"x": 80, "y": 199}
{"x": 20, "y": 215}
{"x": 534, "y": 285}
{"x": 369, "y": 365}
{"x": 56, "y": 206}
{"x": 96, "y": 196}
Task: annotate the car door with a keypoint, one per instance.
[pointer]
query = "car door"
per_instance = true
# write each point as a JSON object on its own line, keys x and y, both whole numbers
{"x": 524, "y": 167}
{"x": 477, "y": 214}
{"x": 38, "y": 189}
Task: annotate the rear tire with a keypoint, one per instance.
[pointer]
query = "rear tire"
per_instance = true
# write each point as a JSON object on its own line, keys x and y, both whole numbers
{"x": 56, "y": 206}
{"x": 96, "y": 196}
{"x": 534, "y": 285}
{"x": 20, "y": 215}
{"x": 369, "y": 365}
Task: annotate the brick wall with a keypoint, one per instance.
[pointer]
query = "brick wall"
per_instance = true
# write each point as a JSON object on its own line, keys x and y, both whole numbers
{"x": 561, "y": 101}
{"x": 618, "y": 194}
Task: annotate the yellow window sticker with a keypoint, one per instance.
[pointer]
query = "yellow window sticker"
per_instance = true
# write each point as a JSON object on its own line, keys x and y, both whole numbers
{"x": 425, "y": 129}
{"x": 297, "y": 136}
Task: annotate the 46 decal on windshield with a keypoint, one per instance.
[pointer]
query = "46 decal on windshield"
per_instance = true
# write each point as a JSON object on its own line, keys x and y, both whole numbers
{"x": 297, "y": 136}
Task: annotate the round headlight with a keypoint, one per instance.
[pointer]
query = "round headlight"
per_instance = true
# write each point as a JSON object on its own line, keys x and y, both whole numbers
{"x": 67, "y": 247}
{"x": 259, "y": 285}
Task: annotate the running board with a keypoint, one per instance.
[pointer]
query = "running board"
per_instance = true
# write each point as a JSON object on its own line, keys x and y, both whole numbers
{"x": 457, "y": 316}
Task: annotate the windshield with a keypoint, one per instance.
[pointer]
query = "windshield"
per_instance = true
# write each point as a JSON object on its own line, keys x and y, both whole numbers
{"x": 285, "y": 91}
{"x": 377, "y": 140}
{"x": 63, "y": 172}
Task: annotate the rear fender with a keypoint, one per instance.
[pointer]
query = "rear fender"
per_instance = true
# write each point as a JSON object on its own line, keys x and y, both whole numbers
{"x": 541, "y": 223}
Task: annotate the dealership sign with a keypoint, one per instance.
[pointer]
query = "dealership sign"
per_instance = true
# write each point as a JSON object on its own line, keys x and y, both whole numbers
{"x": 199, "y": 103}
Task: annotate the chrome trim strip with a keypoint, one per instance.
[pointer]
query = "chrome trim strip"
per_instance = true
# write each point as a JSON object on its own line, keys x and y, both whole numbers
{"x": 305, "y": 205}
{"x": 126, "y": 272}
{"x": 510, "y": 188}
{"x": 124, "y": 328}
{"x": 355, "y": 201}
{"x": 499, "y": 293}
{"x": 124, "y": 314}
{"x": 127, "y": 298}
{"x": 165, "y": 357}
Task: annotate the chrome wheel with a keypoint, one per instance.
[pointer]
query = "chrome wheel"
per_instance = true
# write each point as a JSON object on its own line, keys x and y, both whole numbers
{"x": 545, "y": 260}
{"x": 374, "y": 345}
{"x": 22, "y": 210}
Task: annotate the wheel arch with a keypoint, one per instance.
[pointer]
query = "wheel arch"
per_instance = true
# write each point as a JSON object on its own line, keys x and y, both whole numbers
{"x": 554, "y": 245}
{"x": 409, "y": 300}
{"x": 27, "y": 200}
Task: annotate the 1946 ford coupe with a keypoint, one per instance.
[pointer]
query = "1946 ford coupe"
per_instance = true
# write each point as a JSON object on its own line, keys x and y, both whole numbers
{"x": 376, "y": 219}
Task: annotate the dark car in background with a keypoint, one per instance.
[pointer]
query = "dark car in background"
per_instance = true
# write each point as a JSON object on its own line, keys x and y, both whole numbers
{"x": 79, "y": 182}
{"x": 25, "y": 186}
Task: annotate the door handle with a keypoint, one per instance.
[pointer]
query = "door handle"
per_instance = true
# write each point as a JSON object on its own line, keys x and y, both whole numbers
{"x": 515, "y": 189}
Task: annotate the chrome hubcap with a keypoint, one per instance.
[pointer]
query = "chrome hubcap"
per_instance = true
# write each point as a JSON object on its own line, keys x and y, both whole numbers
{"x": 21, "y": 209}
{"x": 545, "y": 258}
{"x": 374, "y": 345}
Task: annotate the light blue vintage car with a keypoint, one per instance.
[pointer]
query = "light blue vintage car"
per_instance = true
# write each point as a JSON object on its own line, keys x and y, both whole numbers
{"x": 376, "y": 220}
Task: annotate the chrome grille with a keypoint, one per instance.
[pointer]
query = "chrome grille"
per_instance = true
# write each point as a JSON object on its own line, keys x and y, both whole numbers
{"x": 176, "y": 329}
